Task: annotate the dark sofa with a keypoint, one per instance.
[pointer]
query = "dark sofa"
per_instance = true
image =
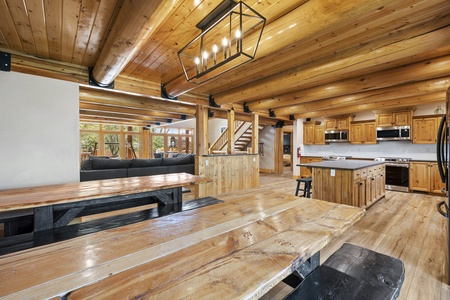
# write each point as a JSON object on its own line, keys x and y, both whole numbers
{"x": 96, "y": 168}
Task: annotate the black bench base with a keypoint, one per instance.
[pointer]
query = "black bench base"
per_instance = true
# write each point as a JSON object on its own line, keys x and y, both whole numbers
{"x": 353, "y": 272}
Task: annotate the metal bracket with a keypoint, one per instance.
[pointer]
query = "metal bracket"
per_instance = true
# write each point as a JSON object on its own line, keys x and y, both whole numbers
{"x": 210, "y": 113}
{"x": 291, "y": 117}
{"x": 165, "y": 95}
{"x": 94, "y": 82}
{"x": 213, "y": 103}
{"x": 169, "y": 121}
{"x": 183, "y": 117}
{"x": 246, "y": 108}
{"x": 279, "y": 124}
{"x": 272, "y": 113}
{"x": 5, "y": 61}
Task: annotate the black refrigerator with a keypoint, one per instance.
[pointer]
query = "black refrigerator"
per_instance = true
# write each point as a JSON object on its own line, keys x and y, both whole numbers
{"x": 443, "y": 157}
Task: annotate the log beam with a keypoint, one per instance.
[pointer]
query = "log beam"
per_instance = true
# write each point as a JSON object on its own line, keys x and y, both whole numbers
{"x": 128, "y": 35}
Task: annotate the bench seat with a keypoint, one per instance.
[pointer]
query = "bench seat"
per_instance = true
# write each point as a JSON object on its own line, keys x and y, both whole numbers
{"x": 353, "y": 272}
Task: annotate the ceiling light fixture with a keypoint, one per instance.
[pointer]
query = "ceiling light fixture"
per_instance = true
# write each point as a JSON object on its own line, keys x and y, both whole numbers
{"x": 226, "y": 32}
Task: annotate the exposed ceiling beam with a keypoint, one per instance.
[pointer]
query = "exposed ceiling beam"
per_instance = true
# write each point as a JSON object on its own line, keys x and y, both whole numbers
{"x": 135, "y": 23}
{"x": 299, "y": 24}
{"x": 391, "y": 93}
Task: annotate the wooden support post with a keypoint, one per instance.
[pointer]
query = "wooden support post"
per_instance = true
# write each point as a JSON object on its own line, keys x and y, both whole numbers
{"x": 201, "y": 146}
{"x": 278, "y": 153}
{"x": 255, "y": 134}
{"x": 231, "y": 128}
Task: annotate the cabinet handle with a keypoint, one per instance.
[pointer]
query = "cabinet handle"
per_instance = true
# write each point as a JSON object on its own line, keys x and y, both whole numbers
{"x": 360, "y": 183}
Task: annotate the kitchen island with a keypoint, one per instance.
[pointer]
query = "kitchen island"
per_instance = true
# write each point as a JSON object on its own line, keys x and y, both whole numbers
{"x": 354, "y": 182}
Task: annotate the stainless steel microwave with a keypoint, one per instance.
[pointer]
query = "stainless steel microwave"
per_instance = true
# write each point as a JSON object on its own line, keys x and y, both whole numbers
{"x": 393, "y": 133}
{"x": 336, "y": 136}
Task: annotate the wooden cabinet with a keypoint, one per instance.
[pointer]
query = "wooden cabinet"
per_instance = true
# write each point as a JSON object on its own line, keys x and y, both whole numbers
{"x": 304, "y": 171}
{"x": 363, "y": 132}
{"x": 360, "y": 187}
{"x": 313, "y": 134}
{"x": 425, "y": 129}
{"x": 424, "y": 177}
{"x": 402, "y": 118}
{"x": 338, "y": 123}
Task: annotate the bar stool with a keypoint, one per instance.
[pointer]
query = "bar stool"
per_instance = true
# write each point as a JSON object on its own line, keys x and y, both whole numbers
{"x": 306, "y": 187}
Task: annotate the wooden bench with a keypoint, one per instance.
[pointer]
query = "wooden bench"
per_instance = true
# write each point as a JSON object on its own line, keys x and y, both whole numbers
{"x": 353, "y": 272}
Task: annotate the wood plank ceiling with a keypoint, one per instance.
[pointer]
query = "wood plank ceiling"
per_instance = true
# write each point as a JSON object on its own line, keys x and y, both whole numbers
{"x": 317, "y": 58}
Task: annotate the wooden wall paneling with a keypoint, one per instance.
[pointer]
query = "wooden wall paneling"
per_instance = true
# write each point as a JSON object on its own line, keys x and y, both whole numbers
{"x": 53, "y": 17}
{"x": 36, "y": 16}
{"x": 8, "y": 29}
{"x": 278, "y": 150}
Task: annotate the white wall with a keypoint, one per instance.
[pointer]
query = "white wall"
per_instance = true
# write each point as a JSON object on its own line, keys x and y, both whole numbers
{"x": 381, "y": 149}
{"x": 267, "y": 137}
{"x": 39, "y": 131}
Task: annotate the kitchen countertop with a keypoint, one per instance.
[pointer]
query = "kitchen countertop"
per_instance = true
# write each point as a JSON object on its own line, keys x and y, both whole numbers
{"x": 343, "y": 164}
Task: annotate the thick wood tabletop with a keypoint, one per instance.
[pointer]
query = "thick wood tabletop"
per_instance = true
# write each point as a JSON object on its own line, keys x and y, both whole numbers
{"x": 21, "y": 198}
{"x": 238, "y": 249}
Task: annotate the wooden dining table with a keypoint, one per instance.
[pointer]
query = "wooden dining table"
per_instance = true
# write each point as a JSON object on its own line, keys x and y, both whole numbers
{"x": 71, "y": 199}
{"x": 237, "y": 249}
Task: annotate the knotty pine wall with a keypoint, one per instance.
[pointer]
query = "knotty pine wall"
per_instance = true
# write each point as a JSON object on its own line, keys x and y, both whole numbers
{"x": 228, "y": 172}
{"x": 39, "y": 131}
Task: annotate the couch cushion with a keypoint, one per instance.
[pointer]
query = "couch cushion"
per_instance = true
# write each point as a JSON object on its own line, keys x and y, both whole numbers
{"x": 86, "y": 164}
{"x": 102, "y": 164}
{"x": 183, "y": 160}
{"x": 182, "y": 169}
{"x": 147, "y": 171}
{"x": 145, "y": 163}
{"x": 102, "y": 174}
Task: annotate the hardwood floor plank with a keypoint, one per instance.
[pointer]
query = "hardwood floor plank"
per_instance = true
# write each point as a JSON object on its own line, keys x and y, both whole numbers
{"x": 403, "y": 225}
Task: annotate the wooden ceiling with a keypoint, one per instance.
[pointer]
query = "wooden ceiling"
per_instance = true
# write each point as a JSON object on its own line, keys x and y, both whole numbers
{"x": 316, "y": 58}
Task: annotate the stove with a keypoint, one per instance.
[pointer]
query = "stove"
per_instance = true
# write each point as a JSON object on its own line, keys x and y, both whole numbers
{"x": 332, "y": 157}
{"x": 397, "y": 173}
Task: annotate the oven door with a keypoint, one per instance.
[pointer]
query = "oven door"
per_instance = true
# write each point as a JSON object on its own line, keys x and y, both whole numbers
{"x": 397, "y": 177}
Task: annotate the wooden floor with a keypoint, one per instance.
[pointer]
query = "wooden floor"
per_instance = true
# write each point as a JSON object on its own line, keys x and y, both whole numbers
{"x": 403, "y": 225}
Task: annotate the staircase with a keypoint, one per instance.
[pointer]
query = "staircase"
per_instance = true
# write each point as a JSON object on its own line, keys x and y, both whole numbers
{"x": 242, "y": 137}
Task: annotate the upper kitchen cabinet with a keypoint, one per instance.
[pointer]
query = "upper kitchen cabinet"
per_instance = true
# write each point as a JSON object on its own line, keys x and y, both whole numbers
{"x": 363, "y": 132}
{"x": 313, "y": 133}
{"x": 338, "y": 123}
{"x": 401, "y": 118}
{"x": 424, "y": 129}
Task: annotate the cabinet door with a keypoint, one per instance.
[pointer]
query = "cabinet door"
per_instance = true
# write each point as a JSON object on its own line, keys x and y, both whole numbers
{"x": 380, "y": 185}
{"x": 308, "y": 134}
{"x": 402, "y": 118}
{"x": 437, "y": 186}
{"x": 319, "y": 135}
{"x": 424, "y": 130}
{"x": 343, "y": 124}
{"x": 359, "y": 193}
{"x": 370, "y": 133}
{"x": 384, "y": 120}
{"x": 357, "y": 132}
{"x": 419, "y": 176}
{"x": 330, "y": 124}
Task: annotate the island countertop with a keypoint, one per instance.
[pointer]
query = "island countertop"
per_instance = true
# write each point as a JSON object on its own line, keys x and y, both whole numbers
{"x": 343, "y": 164}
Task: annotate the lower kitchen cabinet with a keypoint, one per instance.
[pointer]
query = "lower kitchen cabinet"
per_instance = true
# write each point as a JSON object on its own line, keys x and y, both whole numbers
{"x": 304, "y": 171}
{"x": 424, "y": 177}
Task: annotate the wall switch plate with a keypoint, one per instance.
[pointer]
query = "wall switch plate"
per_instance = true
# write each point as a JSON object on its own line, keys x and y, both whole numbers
{"x": 333, "y": 172}
{"x": 206, "y": 162}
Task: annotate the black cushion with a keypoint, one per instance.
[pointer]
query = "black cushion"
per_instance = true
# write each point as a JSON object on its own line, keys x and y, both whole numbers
{"x": 183, "y": 160}
{"x": 158, "y": 155}
{"x": 102, "y": 164}
{"x": 144, "y": 163}
{"x": 86, "y": 164}
{"x": 102, "y": 174}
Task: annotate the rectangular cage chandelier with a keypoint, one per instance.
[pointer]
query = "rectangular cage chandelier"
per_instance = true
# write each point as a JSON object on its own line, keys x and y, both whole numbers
{"x": 230, "y": 37}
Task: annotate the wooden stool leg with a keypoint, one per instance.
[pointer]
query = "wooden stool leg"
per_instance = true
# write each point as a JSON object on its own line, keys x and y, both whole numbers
{"x": 298, "y": 187}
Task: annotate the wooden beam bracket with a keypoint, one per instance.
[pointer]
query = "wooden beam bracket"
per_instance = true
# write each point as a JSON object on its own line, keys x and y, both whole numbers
{"x": 5, "y": 61}
{"x": 213, "y": 103}
{"x": 94, "y": 82}
{"x": 165, "y": 95}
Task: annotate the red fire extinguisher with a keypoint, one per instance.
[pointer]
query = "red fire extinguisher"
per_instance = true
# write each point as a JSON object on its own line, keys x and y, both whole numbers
{"x": 299, "y": 152}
